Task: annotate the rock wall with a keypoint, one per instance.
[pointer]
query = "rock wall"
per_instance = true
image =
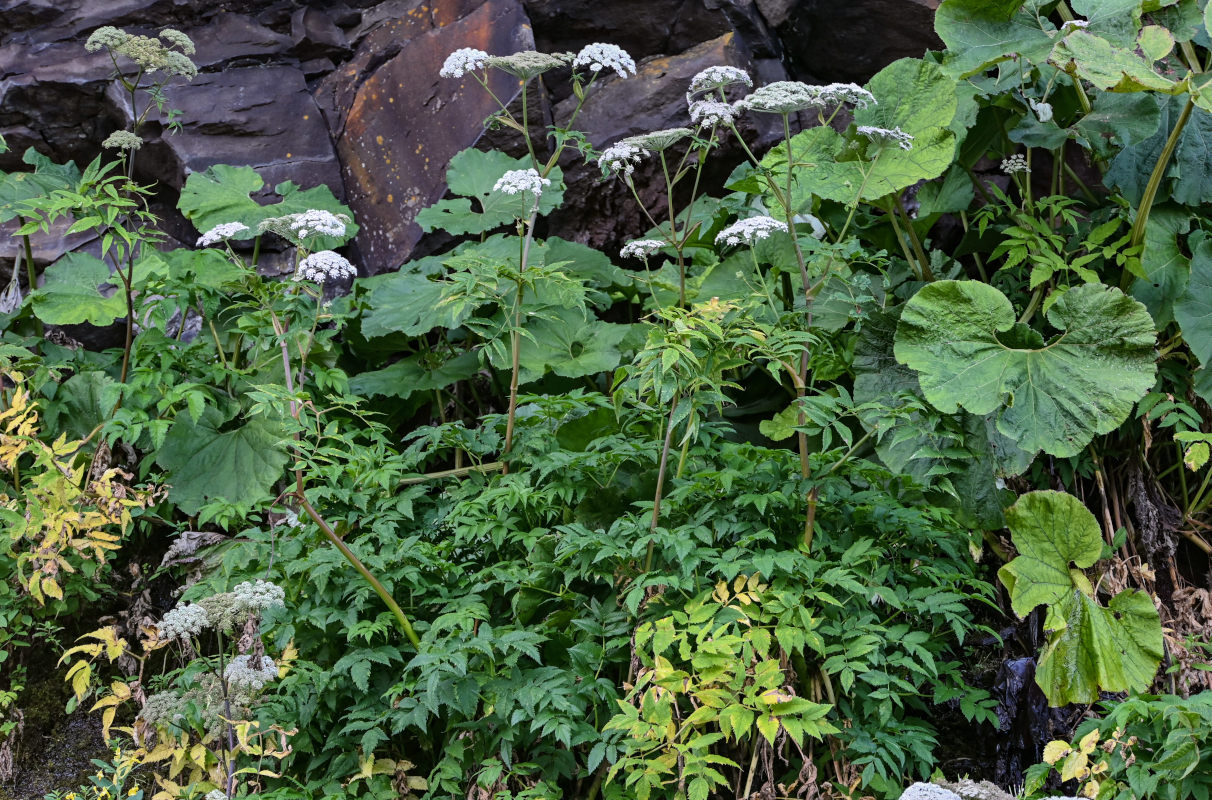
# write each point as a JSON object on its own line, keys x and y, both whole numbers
{"x": 348, "y": 94}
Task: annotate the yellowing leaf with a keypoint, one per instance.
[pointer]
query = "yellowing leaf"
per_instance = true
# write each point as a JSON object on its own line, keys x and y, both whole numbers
{"x": 1055, "y": 751}
{"x": 1089, "y": 742}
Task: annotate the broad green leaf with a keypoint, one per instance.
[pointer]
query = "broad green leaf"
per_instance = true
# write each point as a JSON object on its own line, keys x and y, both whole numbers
{"x": 1112, "y": 649}
{"x": 1090, "y": 648}
{"x": 1166, "y": 267}
{"x": 1155, "y": 42}
{"x": 1191, "y": 172}
{"x": 953, "y": 192}
{"x": 407, "y": 302}
{"x": 223, "y": 194}
{"x": 1131, "y": 118}
{"x": 1193, "y": 308}
{"x": 1115, "y": 20}
{"x": 46, "y": 177}
{"x": 978, "y": 33}
{"x": 570, "y": 343}
{"x": 1108, "y": 67}
{"x": 477, "y": 208}
{"x": 79, "y": 288}
{"x": 1050, "y": 530}
{"x": 211, "y": 460}
{"x": 782, "y": 425}
{"x": 82, "y": 402}
{"x": 962, "y": 339}
{"x": 414, "y": 374}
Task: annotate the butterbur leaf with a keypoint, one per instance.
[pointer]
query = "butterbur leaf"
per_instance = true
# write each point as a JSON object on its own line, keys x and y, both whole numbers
{"x": 1193, "y": 308}
{"x": 981, "y": 32}
{"x": 1166, "y": 268}
{"x": 407, "y": 302}
{"x": 1051, "y": 530}
{"x": 1090, "y": 648}
{"x": 569, "y": 343}
{"x": 959, "y": 336}
{"x": 205, "y": 462}
{"x": 472, "y": 174}
{"x": 414, "y": 374}
{"x": 1112, "y": 649}
{"x": 1109, "y": 67}
{"x": 78, "y": 288}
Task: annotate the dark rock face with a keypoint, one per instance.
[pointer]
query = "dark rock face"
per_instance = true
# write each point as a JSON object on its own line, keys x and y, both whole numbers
{"x": 347, "y": 93}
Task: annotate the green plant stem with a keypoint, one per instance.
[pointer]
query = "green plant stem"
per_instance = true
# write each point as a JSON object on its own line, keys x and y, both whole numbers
{"x": 516, "y": 340}
{"x": 1032, "y": 305}
{"x": 1073, "y": 176}
{"x": 380, "y": 590}
{"x": 660, "y": 486}
{"x": 900, "y": 239}
{"x": 1155, "y": 179}
{"x": 927, "y": 273}
{"x": 976, "y": 257}
{"x": 492, "y": 466}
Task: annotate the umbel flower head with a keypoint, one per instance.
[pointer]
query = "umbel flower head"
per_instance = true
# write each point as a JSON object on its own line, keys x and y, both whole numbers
{"x": 718, "y": 77}
{"x": 782, "y": 97}
{"x": 462, "y": 61}
{"x": 658, "y": 140}
{"x": 837, "y": 93}
{"x": 709, "y": 113}
{"x": 1015, "y": 163}
{"x": 250, "y": 672}
{"x": 184, "y": 621}
{"x": 886, "y": 136}
{"x": 107, "y": 37}
{"x": 522, "y": 181}
{"x": 221, "y": 233}
{"x": 324, "y": 267}
{"x": 642, "y": 248}
{"x": 257, "y": 596}
{"x": 621, "y": 157}
{"x": 148, "y": 52}
{"x": 123, "y": 140}
{"x": 748, "y": 231}
{"x": 317, "y": 222}
{"x": 600, "y": 55}
{"x": 527, "y": 64}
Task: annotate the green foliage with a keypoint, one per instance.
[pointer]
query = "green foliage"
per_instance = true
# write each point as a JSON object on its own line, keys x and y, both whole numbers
{"x": 1090, "y": 648}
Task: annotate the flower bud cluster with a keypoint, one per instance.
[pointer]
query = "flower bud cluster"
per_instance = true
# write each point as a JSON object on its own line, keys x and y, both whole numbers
{"x": 250, "y": 672}
{"x": 184, "y": 621}
{"x": 123, "y": 140}
{"x": 258, "y": 596}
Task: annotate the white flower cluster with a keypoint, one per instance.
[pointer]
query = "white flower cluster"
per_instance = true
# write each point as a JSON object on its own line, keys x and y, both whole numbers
{"x": 642, "y": 248}
{"x": 883, "y": 136}
{"x": 215, "y": 794}
{"x": 179, "y": 40}
{"x": 852, "y": 93}
{"x": 521, "y": 181}
{"x": 221, "y": 233}
{"x": 1015, "y": 163}
{"x": 781, "y": 97}
{"x": 323, "y": 267}
{"x": 107, "y": 37}
{"x": 1043, "y": 111}
{"x": 719, "y": 77}
{"x": 621, "y": 157}
{"x": 709, "y": 113}
{"x": 184, "y": 621}
{"x": 123, "y": 140}
{"x": 161, "y": 708}
{"x": 748, "y": 231}
{"x": 256, "y": 596}
{"x": 599, "y": 56}
{"x": 250, "y": 672}
{"x": 317, "y": 222}
{"x": 463, "y": 60}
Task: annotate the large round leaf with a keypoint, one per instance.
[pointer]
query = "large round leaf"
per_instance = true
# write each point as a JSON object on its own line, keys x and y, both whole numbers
{"x": 981, "y": 32}
{"x": 962, "y": 339}
{"x": 78, "y": 288}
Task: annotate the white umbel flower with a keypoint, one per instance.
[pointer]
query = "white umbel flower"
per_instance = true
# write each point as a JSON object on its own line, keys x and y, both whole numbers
{"x": 709, "y": 113}
{"x": 221, "y": 233}
{"x": 317, "y": 222}
{"x": 836, "y": 93}
{"x": 522, "y": 181}
{"x": 782, "y": 97}
{"x": 642, "y": 248}
{"x": 749, "y": 231}
{"x": 1015, "y": 163}
{"x": 257, "y": 596}
{"x": 462, "y": 61}
{"x": 718, "y": 77}
{"x": 216, "y": 794}
{"x": 883, "y": 136}
{"x": 323, "y": 267}
{"x": 599, "y": 56}
{"x": 106, "y": 37}
{"x": 123, "y": 140}
{"x": 184, "y": 621}
{"x": 621, "y": 158}
{"x": 250, "y": 672}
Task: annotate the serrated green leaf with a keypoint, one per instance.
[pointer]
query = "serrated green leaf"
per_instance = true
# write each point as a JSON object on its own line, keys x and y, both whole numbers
{"x": 570, "y": 343}
{"x": 1050, "y": 530}
{"x": 1109, "y": 67}
{"x": 414, "y": 374}
{"x": 1131, "y": 118}
{"x": 960, "y": 338}
{"x": 46, "y": 177}
{"x": 72, "y": 292}
{"x": 1112, "y": 649}
{"x": 471, "y": 175}
{"x": 1163, "y": 262}
{"x": 205, "y": 462}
